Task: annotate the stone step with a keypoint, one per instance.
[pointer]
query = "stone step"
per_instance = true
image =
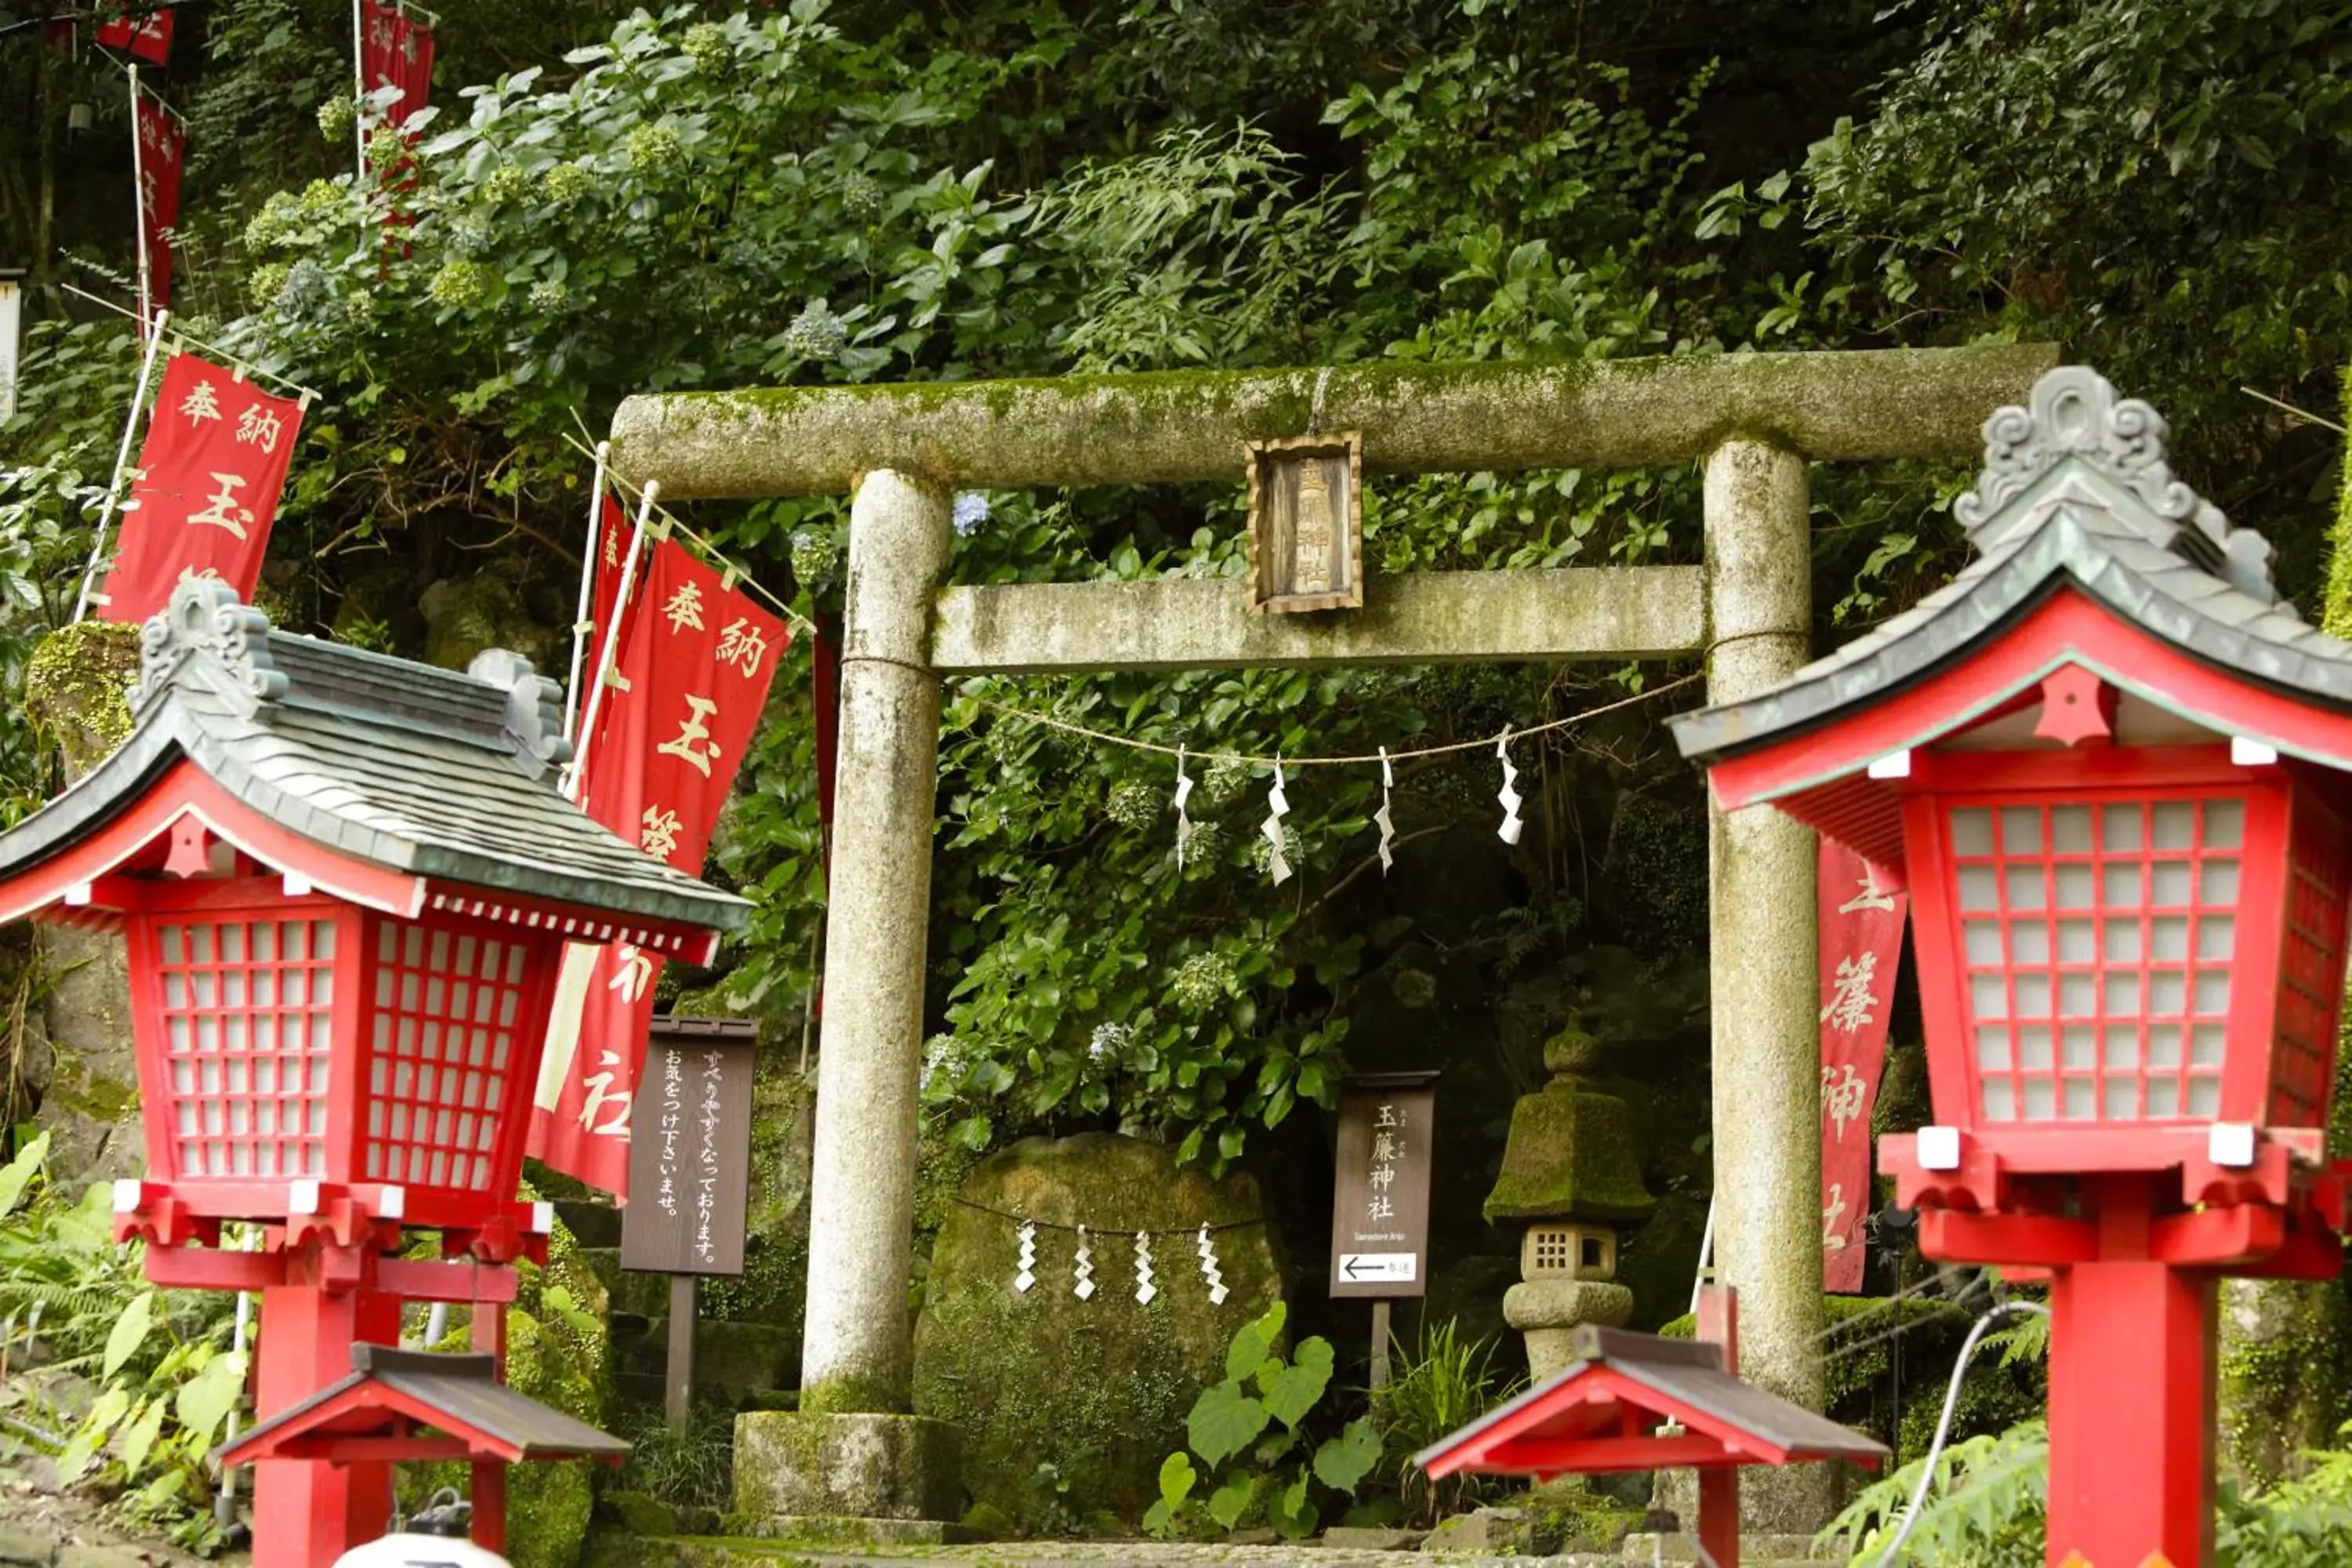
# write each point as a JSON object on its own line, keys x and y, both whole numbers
{"x": 889, "y": 1543}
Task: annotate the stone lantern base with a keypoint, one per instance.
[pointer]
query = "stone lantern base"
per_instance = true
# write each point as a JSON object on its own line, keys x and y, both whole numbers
{"x": 1547, "y": 1310}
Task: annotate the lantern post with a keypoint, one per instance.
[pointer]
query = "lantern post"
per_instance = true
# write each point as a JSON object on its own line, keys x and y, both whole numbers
{"x": 345, "y": 884}
{"x": 2106, "y": 760}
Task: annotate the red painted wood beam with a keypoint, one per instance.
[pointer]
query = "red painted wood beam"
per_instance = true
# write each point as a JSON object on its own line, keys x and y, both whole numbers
{"x": 1949, "y": 1236}
{"x": 1536, "y": 1455}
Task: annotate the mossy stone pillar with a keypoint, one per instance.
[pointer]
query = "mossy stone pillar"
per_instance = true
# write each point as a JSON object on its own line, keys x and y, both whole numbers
{"x": 77, "y": 689}
{"x": 1763, "y": 967}
{"x": 855, "y": 1347}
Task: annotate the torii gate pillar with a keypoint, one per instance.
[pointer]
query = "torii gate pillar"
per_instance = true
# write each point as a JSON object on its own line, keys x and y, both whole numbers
{"x": 862, "y": 1189}
{"x": 1762, "y": 964}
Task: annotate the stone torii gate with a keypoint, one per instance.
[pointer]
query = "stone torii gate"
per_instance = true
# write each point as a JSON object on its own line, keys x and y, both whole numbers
{"x": 1753, "y": 420}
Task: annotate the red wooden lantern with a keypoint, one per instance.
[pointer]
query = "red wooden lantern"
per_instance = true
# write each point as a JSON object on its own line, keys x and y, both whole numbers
{"x": 345, "y": 883}
{"x": 2106, "y": 760}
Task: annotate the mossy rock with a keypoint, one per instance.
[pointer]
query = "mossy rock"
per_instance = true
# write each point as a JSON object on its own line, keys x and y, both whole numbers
{"x": 1099, "y": 1388}
{"x": 464, "y": 615}
{"x": 78, "y": 688}
{"x": 1571, "y": 1152}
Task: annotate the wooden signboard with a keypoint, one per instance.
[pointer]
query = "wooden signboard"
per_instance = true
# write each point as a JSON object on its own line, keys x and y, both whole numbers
{"x": 690, "y": 1149}
{"x": 1379, "y": 1197}
{"x": 1307, "y": 522}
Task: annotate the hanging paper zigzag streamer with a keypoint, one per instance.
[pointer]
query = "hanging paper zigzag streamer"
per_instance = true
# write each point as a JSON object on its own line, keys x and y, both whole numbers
{"x": 1144, "y": 1288}
{"x": 1209, "y": 1271}
{"x": 1277, "y": 806}
{"x": 1084, "y": 1287}
{"x": 1388, "y": 826}
{"x": 1183, "y": 823}
{"x": 1509, "y": 831}
{"x": 1028, "y": 1275}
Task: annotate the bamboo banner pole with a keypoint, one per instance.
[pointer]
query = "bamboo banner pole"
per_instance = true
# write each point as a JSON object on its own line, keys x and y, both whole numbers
{"x": 139, "y": 205}
{"x": 580, "y": 619}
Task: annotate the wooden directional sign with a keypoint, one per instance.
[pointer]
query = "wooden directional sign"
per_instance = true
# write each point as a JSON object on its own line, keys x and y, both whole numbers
{"x": 690, "y": 1149}
{"x": 1379, "y": 1198}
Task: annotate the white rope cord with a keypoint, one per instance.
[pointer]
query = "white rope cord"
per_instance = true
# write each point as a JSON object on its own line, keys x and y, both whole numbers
{"x": 1944, "y": 1423}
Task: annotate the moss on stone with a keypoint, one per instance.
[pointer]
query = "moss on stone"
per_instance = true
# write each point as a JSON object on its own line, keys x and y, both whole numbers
{"x": 78, "y": 688}
{"x": 1183, "y": 425}
{"x": 1097, "y": 1389}
{"x": 1570, "y": 1153}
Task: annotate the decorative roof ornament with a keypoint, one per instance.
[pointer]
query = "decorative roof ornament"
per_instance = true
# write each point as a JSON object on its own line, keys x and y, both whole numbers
{"x": 221, "y": 643}
{"x": 534, "y": 710}
{"x": 2075, "y": 414}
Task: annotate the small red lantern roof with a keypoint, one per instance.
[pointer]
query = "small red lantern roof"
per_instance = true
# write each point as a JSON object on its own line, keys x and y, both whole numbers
{"x": 1637, "y": 1402}
{"x": 393, "y": 1403}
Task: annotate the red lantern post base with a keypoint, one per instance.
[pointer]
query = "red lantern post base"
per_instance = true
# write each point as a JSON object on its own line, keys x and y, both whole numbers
{"x": 2131, "y": 1400}
{"x": 2134, "y": 1273}
{"x": 307, "y": 1514}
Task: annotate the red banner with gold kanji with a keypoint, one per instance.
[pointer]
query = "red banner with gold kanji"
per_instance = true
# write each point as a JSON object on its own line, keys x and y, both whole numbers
{"x": 396, "y": 51}
{"x": 149, "y": 37}
{"x": 161, "y": 145}
{"x": 678, "y": 719}
{"x": 208, "y": 481}
{"x": 605, "y": 584}
{"x": 1860, "y": 948}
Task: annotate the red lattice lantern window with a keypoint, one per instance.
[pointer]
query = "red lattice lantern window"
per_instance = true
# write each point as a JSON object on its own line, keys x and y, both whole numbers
{"x": 2098, "y": 938}
{"x": 2125, "y": 937}
{"x": 307, "y": 1038}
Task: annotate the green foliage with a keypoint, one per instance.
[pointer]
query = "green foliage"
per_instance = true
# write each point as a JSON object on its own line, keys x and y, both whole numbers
{"x": 1437, "y": 1385}
{"x": 1984, "y": 1510}
{"x": 696, "y": 1467}
{"x": 162, "y": 1380}
{"x": 1250, "y": 1427}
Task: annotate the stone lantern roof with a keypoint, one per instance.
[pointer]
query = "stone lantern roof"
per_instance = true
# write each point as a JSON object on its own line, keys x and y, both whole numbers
{"x": 443, "y": 780}
{"x": 2074, "y": 492}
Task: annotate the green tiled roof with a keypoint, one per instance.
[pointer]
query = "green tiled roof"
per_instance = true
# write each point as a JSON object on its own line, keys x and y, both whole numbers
{"x": 2074, "y": 490}
{"x": 417, "y": 770}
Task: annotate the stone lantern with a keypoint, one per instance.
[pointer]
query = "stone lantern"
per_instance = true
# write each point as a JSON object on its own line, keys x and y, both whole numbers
{"x": 1570, "y": 1172}
{"x": 2108, "y": 760}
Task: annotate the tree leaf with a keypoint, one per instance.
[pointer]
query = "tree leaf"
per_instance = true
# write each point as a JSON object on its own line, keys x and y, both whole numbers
{"x": 1294, "y": 1392}
{"x": 1292, "y": 1514}
{"x": 205, "y": 1400}
{"x": 17, "y": 1174}
{"x": 1252, "y": 1341}
{"x": 1230, "y": 1502}
{"x": 1342, "y": 1462}
{"x": 1176, "y": 1479}
{"x": 1223, "y": 1421}
{"x": 139, "y": 1440}
{"x": 130, "y": 1333}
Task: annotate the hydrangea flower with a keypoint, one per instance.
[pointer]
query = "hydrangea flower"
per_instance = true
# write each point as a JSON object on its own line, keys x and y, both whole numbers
{"x": 567, "y": 182}
{"x": 970, "y": 510}
{"x": 1133, "y": 803}
{"x": 1201, "y": 981}
{"x": 816, "y": 334}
